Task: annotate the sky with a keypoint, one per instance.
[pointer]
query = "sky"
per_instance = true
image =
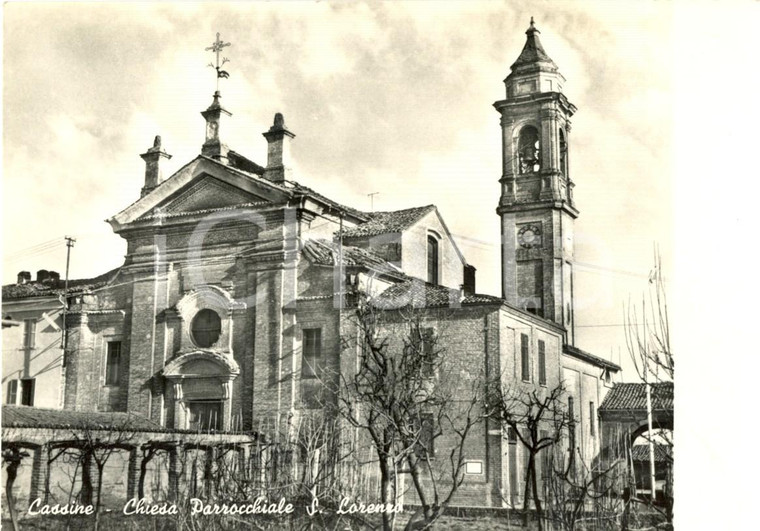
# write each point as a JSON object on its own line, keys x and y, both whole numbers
{"x": 393, "y": 98}
{"x": 396, "y": 98}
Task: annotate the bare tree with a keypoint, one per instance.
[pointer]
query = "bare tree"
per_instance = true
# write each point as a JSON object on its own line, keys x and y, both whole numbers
{"x": 647, "y": 333}
{"x": 538, "y": 418}
{"x": 578, "y": 490}
{"x": 647, "y": 330}
{"x": 402, "y": 397}
{"x": 95, "y": 446}
{"x": 12, "y": 457}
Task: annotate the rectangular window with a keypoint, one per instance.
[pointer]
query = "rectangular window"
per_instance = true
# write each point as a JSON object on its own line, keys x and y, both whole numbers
{"x": 12, "y": 392}
{"x": 427, "y": 434}
{"x": 545, "y": 456}
{"x": 541, "y": 362}
{"x": 204, "y": 415}
{"x": 27, "y": 392}
{"x": 30, "y": 326}
{"x": 312, "y": 352}
{"x": 591, "y": 417}
{"x": 514, "y": 486}
{"x": 428, "y": 354}
{"x": 113, "y": 363}
{"x": 571, "y": 422}
{"x": 432, "y": 260}
{"x": 525, "y": 357}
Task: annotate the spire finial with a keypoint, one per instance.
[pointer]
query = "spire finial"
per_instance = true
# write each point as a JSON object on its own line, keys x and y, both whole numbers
{"x": 532, "y": 28}
{"x": 217, "y": 47}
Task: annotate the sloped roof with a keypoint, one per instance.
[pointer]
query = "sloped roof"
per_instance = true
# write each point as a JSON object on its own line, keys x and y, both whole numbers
{"x": 33, "y": 417}
{"x": 50, "y": 288}
{"x": 323, "y": 252}
{"x": 628, "y": 396}
{"x": 421, "y": 294}
{"x": 591, "y": 358}
{"x": 662, "y": 453}
{"x": 243, "y": 163}
{"x": 388, "y": 222}
{"x": 533, "y": 51}
{"x": 309, "y": 191}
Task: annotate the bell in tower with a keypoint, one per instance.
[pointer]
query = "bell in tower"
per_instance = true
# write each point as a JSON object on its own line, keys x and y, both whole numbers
{"x": 536, "y": 204}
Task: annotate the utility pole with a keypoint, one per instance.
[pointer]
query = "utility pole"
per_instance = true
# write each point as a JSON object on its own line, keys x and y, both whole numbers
{"x": 64, "y": 343}
{"x": 341, "y": 277}
{"x": 650, "y": 432}
{"x": 64, "y": 331}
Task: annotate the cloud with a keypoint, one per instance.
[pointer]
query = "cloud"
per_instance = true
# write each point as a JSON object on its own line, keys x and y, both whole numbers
{"x": 393, "y": 98}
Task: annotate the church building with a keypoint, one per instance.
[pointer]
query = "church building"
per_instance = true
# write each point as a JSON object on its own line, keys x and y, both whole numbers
{"x": 231, "y": 301}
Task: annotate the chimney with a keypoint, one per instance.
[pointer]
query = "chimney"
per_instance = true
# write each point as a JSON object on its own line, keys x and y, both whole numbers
{"x": 24, "y": 277}
{"x": 278, "y": 152}
{"x": 153, "y": 166}
{"x": 469, "y": 280}
{"x": 213, "y": 146}
{"x": 42, "y": 275}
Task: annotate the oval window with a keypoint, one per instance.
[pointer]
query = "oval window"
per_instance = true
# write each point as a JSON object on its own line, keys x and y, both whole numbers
{"x": 206, "y": 328}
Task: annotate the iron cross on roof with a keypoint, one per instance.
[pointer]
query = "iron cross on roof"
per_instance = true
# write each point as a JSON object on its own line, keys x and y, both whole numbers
{"x": 217, "y": 48}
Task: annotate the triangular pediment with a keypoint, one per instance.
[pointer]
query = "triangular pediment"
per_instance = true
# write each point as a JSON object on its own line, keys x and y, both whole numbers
{"x": 200, "y": 186}
{"x": 206, "y": 193}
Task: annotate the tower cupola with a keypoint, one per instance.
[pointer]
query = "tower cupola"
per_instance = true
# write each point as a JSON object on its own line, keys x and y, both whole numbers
{"x": 533, "y": 71}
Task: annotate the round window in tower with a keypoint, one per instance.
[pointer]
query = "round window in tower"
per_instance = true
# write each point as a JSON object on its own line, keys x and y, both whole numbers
{"x": 206, "y": 328}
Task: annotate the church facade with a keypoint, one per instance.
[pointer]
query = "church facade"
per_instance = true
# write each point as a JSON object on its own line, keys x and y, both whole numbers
{"x": 231, "y": 303}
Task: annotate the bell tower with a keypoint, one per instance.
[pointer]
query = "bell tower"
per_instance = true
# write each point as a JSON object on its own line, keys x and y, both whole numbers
{"x": 536, "y": 205}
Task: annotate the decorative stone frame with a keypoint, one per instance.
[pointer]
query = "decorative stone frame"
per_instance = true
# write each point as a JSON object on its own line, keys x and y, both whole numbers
{"x": 211, "y": 369}
{"x": 208, "y": 298}
{"x": 197, "y": 373}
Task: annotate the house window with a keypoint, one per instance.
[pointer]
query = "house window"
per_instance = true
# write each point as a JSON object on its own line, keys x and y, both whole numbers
{"x": 113, "y": 363}
{"x": 27, "y": 392}
{"x": 562, "y": 153}
{"x": 591, "y": 417}
{"x": 432, "y": 260}
{"x": 427, "y": 434}
{"x": 428, "y": 355}
{"x": 12, "y": 392}
{"x": 30, "y": 326}
{"x": 541, "y": 362}
{"x": 206, "y": 328}
{"x": 571, "y": 421}
{"x": 545, "y": 464}
{"x": 312, "y": 352}
{"x": 525, "y": 357}
{"x": 204, "y": 415}
{"x": 529, "y": 150}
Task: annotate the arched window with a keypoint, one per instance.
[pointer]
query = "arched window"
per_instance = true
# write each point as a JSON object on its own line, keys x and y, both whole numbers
{"x": 529, "y": 150}
{"x": 562, "y": 153}
{"x": 206, "y": 328}
{"x": 432, "y": 260}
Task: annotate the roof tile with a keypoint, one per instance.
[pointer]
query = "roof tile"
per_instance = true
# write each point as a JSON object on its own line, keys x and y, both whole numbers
{"x": 627, "y": 396}
{"x": 47, "y": 289}
{"x": 387, "y": 222}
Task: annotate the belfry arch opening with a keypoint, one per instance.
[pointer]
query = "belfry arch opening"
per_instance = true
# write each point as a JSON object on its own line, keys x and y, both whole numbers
{"x": 563, "y": 153}
{"x": 529, "y": 150}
